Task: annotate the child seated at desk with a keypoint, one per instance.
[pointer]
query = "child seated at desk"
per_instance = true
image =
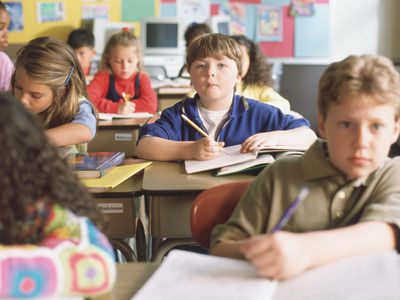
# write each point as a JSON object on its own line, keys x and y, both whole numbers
{"x": 49, "y": 81}
{"x": 353, "y": 205}
{"x": 49, "y": 245}
{"x": 121, "y": 86}
{"x": 214, "y": 64}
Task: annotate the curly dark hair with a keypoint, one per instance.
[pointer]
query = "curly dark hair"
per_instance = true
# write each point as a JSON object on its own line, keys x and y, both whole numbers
{"x": 260, "y": 72}
{"x": 194, "y": 30}
{"x": 31, "y": 170}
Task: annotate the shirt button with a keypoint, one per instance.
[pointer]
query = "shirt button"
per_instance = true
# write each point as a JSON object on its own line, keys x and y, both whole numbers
{"x": 341, "y": 195}
{"x": 339, "y": 214}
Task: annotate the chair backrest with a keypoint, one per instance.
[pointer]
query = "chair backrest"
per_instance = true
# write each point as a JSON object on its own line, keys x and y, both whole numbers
{"x": 214, "y": 206}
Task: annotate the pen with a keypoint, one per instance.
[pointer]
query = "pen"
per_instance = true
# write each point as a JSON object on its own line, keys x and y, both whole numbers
{"x": 291, "y": 209}
{"x": 203, "y": 133}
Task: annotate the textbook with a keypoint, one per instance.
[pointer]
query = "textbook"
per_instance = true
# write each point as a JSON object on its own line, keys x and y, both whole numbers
{"x": 194, "y": 276}
{"x": 95, "y": 164}
{"x": 232, "y": 156}
{"x": 136, "y": 115}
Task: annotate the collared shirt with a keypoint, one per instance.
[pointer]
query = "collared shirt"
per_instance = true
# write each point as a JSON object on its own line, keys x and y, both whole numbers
{"x": 333, "y": 201}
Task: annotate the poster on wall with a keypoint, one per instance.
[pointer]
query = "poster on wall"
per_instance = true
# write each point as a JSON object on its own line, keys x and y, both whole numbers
{"x": 269, "y": 23}
{"x": 16, "y": 17}
{"x": 198, "y": 10}
{"x": 302, "y": 8}
{"x": 50, "y": 12}
{"x": 237, "y": 14}
{"x": 95, "y": 12}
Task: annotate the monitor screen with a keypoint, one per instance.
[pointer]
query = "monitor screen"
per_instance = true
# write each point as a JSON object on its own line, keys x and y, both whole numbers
{"x": 220, "y": 24}
{"x": 162, "y": 35}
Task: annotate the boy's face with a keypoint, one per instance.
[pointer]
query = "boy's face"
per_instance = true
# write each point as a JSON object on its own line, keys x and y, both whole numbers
{"x": 214, "y": 80}
{"x": 359, "y": 134}
{"x": 85, "y": 55}
{"x": 36, "y": 97}
{"x": 123, "y": 61}
{"x": 4, "y": 22}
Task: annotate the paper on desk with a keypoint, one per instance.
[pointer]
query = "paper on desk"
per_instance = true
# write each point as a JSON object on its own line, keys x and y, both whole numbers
{"x": 188, "y": 275}
{"x": 116, "y": 176}
{"x": 136, "y": 115}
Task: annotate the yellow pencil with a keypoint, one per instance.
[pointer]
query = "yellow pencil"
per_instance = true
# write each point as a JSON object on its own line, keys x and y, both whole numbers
{"x": 203, "y": 133}
{"x": 125, "y": 96}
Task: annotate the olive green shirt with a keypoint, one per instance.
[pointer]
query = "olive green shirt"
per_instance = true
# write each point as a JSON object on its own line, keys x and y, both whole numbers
{"x": 333, "y": 200}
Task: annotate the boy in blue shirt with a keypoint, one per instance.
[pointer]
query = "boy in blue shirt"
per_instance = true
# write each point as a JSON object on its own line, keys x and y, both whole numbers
{"x": 353, "y": 205}
{"x": 214, "y": 64}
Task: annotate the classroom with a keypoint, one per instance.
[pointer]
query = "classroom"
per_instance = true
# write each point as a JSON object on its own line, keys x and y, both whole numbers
{"x": 165, "y": 168}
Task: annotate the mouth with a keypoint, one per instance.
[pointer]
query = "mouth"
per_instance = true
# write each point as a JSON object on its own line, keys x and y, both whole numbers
{"x": 360, "y": 160}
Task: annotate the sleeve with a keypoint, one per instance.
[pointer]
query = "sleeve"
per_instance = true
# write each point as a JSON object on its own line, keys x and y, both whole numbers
{"x": 273, "y": 98}
{"x": 97, "y": 90}
{"x": 74, "y": 259}
{"x": 147, "y": 101}
{"x": 86, "y": 116}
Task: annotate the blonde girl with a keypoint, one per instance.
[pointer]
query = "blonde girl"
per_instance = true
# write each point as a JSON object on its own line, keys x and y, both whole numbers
{"x": 49, "y": 81}
{"x": 121, "y": 86}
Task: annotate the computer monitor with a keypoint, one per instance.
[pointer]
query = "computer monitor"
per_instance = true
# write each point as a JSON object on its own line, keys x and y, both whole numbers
{"x": 162, "y": 36}
{"x": 220, "y": 24}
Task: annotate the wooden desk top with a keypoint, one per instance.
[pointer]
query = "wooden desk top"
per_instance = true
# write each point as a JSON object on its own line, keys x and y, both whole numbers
{"x": 170, "y": 177}
{"x": 137, "y": 122}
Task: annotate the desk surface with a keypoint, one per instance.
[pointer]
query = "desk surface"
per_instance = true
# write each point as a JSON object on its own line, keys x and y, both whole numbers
{"x": 136, "y": 122}
{"x": 170, "y": 177}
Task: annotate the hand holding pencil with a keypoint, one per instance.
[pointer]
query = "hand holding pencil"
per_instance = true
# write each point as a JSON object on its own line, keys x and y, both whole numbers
{"x": 127, "y": 106}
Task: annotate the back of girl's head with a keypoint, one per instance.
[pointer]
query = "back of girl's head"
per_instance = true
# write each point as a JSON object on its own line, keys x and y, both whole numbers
{"x": 259, "y": 70}
{"x": 194, "y": 30}
{"x": 52, "y": 62}
{"x": 31, "y": 170}
{"x": 369, "y": 75}
{"x": 214, "y": 45}
{"x": 124, "y": 38}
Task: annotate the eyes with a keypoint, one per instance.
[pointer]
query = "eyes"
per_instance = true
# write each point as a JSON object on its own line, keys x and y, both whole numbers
{"x": 18, "y": 89}
{"x": 205, "y": 66}
{"x": 121, "y": 61}
{"x": 374, "y": 126}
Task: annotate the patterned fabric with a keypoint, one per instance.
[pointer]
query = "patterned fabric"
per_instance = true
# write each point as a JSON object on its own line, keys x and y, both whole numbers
{"x": 72, "y": 258}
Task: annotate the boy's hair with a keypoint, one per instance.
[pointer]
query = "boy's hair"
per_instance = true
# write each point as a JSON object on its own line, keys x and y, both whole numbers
{"x": 52, "y": 62}
{"x": 194, "y": 30}
{"x": 2, "y": 6}
{"x": 81, "y": 37}
{"x": 259, "y": 72}
{"x": 214, "y": 45}
{"x": 123, "y": 38}
{"x": 359, "y": 75}
{"x": 32, "y": 170}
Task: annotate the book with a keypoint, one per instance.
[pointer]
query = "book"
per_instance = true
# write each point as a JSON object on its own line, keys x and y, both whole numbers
{"x": 95, "y": 164}
{"x": 136, "y": 115}
{"x": 194, "y": 276}
{"x": 233, "y": 156}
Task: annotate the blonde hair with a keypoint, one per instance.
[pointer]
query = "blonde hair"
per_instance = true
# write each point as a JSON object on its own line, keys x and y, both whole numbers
{"x": 52, "y": 62}
{"x": 123, "y": 38}
{"x": 214, "y": 45}
{"x": 359, "y": 75}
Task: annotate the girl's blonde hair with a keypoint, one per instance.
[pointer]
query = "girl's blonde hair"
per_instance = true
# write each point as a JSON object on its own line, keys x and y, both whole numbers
{"x": 359, "y": 75}
{"x": 52, "y": 62}
{"x": 123, "y": 38}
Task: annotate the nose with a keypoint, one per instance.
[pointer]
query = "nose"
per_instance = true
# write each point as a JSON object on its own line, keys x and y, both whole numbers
{"x": 24, "y": 99}
{"x": 363, "y": 136}
{"x": 211, "y": 71}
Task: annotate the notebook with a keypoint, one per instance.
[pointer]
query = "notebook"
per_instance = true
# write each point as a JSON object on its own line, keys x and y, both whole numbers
{"x": 137, "y": 115}
{"x": 188, "y": 275}
{"x": 232, "y": 156}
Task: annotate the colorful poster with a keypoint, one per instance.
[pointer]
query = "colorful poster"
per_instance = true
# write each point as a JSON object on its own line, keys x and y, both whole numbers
{"x": 50, "y": 11}
{"x": 237, "y": 14}
{"x": 95, "y": 12}
{"x": 198, "y": 10}
{"x": 16, "y": 16}
{"x": 302, "y": 8}
{"x": 269, "y": 23}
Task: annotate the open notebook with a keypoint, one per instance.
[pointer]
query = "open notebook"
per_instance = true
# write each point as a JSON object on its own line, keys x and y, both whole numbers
{"x": 187, "y": 275}
{"x": 240, "y": 161}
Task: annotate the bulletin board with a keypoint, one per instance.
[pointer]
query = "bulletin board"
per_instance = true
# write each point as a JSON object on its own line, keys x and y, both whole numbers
{"x": 72, "y": 12}
{"x": 302, "y": 30}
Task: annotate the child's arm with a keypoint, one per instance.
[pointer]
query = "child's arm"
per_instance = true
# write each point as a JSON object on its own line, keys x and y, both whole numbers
{"x": 74, "y": 259}
{"x": 97, "y": 90}
{"x": 301, "y": 136}
{"x": 69, "y": 134}
{"x": 147, "y": 101}
{"x": 155, "y": 148}
{"x": 283, "y": 255}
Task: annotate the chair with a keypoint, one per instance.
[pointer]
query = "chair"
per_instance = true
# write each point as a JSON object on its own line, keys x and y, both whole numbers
{"x": 214, "y": 206}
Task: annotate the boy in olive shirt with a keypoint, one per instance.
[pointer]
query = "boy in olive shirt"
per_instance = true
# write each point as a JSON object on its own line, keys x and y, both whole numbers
{"x": 353, "y": 207}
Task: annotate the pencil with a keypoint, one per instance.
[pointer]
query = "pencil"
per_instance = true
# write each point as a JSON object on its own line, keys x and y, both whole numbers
{"x": 125, "y": 96}
{"x": 292, "y": 208}
{"x": 203, "y": 133}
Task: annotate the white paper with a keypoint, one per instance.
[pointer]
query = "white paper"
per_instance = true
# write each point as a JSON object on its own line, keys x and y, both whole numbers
{"x": 138, "y": 115}
{"x": 193, "y": 276}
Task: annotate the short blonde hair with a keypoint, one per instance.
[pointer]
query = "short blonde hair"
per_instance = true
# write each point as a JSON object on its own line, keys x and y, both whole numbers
{"x": 123, "y": 38}
{"x": 214, "y": 45}
{"x": 359, "y": 75}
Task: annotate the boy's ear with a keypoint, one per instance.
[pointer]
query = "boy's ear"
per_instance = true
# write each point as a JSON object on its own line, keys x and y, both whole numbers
{"x": 321, "y": 125}
{"x": 396, "y": 130}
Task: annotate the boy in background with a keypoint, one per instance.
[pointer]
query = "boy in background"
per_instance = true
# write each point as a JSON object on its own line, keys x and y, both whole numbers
{"x": 353, "y": 206}
{"x": 82, "y": 41}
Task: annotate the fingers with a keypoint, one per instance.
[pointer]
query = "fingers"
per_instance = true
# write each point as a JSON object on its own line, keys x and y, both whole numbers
{"x": 126, "y": 107}
{"x": 208, "y": 149}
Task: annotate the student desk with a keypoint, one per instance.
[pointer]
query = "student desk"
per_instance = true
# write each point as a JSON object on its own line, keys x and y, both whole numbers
{"x": 169, "y": 193}
{"x": 121, "y": 206}
{"x": 117, "y": 135}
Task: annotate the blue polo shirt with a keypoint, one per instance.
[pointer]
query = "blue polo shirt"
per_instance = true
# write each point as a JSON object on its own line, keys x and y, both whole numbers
{"x": 245, "y": 118}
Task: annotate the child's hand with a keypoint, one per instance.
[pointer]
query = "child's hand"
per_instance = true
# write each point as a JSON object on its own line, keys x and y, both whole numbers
{"x": 126, "y": 107}
{"x": 206, "y": 149}
{"x": 279, "y": 256}
{"x": 260, "y": 140}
